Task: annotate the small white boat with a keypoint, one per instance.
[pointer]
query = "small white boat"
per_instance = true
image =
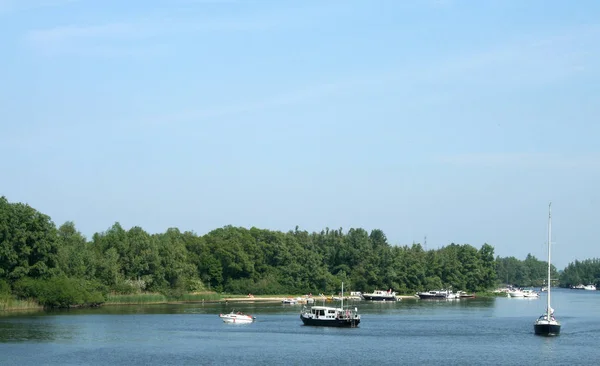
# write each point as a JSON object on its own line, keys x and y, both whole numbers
{"x": 590, "y": 287}
{"x": 530, "y": 293}
{"x": 238, "y": 318}
{"x": 516, "y": 293}
{"x": 289, "y": 301}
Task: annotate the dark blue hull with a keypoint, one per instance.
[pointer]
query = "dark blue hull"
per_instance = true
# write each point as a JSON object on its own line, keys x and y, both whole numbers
{"x": 431, "y": 297}
{"x": 349, "y": 323}
{"x": 379, "y": 298}
{"x": 546, "y": 329}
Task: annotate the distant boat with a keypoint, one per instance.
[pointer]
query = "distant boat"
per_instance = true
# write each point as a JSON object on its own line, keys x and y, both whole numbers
{"x": 437, "y": 295}
{"x": 530, "y": 293}
{"x": 589, "y": 287}
{"x": 328, "y": 316}
{"x": 464, "y": 295}
{"x": 516, "y": 293}
{"x": 379, "y": 295}
{"x": 289, "y": 301}
{"x": 547, "y": 324}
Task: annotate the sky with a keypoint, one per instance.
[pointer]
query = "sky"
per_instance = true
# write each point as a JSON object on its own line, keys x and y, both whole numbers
{"x": 455, "y": 120}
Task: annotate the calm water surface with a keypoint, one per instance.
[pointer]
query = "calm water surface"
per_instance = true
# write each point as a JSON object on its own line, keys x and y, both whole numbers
{"x": 469, "y": 331}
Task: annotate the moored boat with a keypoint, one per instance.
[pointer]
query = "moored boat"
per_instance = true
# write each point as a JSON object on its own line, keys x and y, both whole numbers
{"x": 464, "y": 295}
{"x": 238, "y": 318}
{"x": 379, "y": 295}
{"x": 530, "y": 293}
{"x": 437, "y": 295}
{"x": 516, "y": 293}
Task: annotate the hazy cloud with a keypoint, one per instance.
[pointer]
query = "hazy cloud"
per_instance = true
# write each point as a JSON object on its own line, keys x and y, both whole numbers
{"x": 522, "y": 159}
{"x": 12, "y": 6}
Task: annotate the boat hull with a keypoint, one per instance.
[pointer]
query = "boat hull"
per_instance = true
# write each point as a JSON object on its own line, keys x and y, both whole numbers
{"x": 546, "y": 329}
{"x": 340, "y": 323}
{"x": 379, "y": 298}
{"x": 431, "y": 297}
{"x": 236, "y": 319}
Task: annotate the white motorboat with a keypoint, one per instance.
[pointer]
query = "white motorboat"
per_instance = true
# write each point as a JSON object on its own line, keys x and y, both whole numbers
{"x": 516, "y": 293}
{"x": 530, "y": 293}
{"x": 590, "y": 287}
{"x": 237, "y": 317}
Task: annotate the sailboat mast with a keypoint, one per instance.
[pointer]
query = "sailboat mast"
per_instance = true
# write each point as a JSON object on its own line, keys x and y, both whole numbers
{"x": 549, "y": 244}
{"x": 342, "y": 295}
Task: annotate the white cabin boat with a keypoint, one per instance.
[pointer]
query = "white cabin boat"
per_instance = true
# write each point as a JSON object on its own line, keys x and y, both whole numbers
{"x": 237, "y": 318}
{"x": 530, "y": 293}
{"x": 516, "y": 293}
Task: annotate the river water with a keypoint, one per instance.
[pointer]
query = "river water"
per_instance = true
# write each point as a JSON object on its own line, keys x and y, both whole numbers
{"x": 496, "y": 331}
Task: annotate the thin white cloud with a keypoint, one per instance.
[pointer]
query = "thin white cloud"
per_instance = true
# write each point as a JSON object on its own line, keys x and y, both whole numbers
{"x": 73, "y": 37}
{"x": 522, "y": 63}
{"x": 279, "y": 100}
{"x": 13, "y": 6}
{"x": 137, "y": 30}
{"x": 75, "y": 33}
{"x": 522, "y": 159}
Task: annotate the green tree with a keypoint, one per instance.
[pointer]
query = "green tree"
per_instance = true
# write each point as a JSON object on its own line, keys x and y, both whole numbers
{"x": 28, "y": 242}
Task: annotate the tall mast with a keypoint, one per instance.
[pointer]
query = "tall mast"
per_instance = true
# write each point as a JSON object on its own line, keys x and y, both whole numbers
{"x": 549, "y": 244}
{"x": 343, "y": 296}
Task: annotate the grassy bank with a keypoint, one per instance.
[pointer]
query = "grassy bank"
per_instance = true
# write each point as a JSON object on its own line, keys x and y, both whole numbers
{"x": 9, "y": 303}
{"x": 157, "y": 298}
{"x": 135, "y": 299}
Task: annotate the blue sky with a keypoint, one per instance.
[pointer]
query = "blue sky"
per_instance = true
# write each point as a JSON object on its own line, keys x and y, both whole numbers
{"x": 459, "y": 120}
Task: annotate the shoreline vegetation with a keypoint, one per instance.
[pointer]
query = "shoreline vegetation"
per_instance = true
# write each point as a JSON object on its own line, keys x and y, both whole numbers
{"x": 42, "y": 265}
{"x": 15, "y": 305}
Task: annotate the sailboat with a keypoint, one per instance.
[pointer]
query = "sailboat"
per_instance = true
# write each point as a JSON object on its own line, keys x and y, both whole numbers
{"x": 547, "y": 324}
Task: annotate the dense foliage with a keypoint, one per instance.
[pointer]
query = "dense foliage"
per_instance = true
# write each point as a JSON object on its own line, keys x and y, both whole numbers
{"x": 59, "y": 267}
{"x": 586, "y": 272}
{"x": 530, "y": 272}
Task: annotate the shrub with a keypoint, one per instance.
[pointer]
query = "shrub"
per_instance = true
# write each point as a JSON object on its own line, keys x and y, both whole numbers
{"x": 4, "y": 288}
{"x": 60, "y": 292}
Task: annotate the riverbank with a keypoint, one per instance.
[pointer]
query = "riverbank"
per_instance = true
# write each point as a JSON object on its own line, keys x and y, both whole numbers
{"x": 14, "y": 305}
{"x": 279, "y": 298}
{"x": 10, "y": 304}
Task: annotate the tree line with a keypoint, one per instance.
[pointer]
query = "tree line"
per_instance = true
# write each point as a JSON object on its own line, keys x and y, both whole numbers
{"x": 60, "y": 267}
